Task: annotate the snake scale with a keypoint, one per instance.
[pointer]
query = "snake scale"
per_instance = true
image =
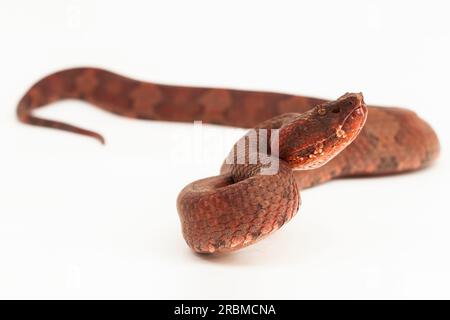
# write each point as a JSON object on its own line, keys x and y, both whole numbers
{"x": 317, "y": 140}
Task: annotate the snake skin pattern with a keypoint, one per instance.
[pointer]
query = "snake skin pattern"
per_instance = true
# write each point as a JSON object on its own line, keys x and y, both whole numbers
{"x": 318, "y": 140}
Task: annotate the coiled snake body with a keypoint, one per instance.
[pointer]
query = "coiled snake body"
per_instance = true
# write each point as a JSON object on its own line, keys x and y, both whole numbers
{"x": 317, "y": 140}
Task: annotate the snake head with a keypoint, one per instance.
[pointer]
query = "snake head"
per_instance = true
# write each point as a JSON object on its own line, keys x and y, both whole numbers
{"x": 311, "y": 139}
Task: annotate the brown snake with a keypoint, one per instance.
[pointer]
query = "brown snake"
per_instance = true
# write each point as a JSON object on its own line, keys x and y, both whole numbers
{"x": 244, "y": 204}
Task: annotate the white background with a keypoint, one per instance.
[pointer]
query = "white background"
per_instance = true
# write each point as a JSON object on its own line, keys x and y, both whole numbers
{"x": 78, "y": 220}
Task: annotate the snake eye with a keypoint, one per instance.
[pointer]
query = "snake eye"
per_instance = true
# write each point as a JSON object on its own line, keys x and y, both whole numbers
{"x": 336, "y": 110}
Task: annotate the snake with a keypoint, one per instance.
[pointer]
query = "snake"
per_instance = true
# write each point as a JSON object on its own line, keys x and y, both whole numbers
{"x": 294, "y": 142}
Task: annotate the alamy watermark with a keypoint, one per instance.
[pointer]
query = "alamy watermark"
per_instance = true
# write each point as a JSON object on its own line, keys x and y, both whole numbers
{"x": 200, "y": 146}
